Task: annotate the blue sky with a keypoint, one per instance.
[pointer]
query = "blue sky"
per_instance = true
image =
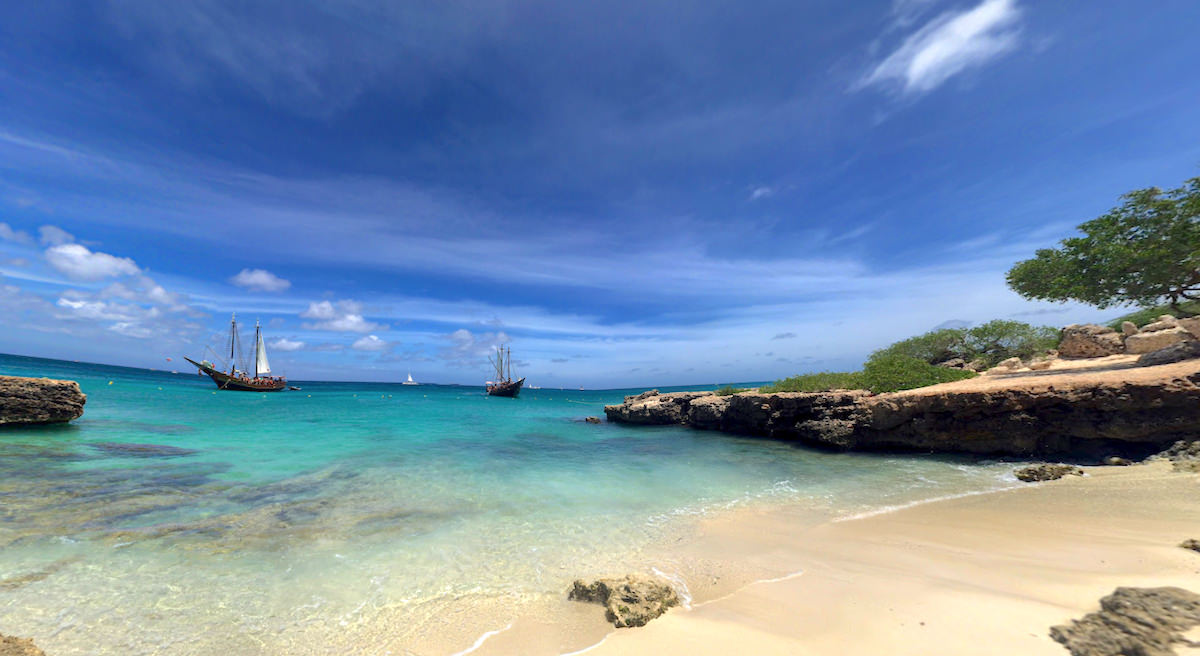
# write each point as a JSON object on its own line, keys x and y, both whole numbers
{"x": 630, "y": 193}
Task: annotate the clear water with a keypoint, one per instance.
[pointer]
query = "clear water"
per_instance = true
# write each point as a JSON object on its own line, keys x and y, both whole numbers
{"x": 280, "y": 523}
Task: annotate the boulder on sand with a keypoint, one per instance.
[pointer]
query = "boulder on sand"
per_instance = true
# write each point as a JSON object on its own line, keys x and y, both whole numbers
{"x": 631, "y": 601}
{"x": 10, "y": 646}
{"x": 1089, "y": 341}
{"x": 39, "y": 400}
{"x": 1046, "y": 472}
{"x": 1177, "y": 352}
{"x": 1141, "y": 621}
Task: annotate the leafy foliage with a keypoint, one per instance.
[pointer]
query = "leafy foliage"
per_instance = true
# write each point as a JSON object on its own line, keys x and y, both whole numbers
{"x": 1143, "y": 317}
{"x": 730, "y": 390}
{"x": 891, "y": 372}
{"x": 818, "y": 382}
{"x": 990, "y": 343}
{"x": 1143, "y": 252}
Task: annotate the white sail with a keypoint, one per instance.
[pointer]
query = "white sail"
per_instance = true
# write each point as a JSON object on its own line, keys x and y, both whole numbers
{"x": 410, "y": 378}
{"x": 261, "y": 366}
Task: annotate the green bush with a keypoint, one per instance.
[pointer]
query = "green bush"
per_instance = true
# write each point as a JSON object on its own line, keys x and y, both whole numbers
{"x": 891, "y": 372}
{"x": 730, "y": 390}
{"x": 1148, "y": 315}
{"x": 818, "y": 382}
{"x": 991, "y": 343}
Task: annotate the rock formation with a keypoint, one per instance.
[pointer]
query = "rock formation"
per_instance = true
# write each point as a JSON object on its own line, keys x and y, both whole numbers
{"x": 1146, "y": 342}
{"x": 1183, "y": 455}
{"x": 10, "y": 646}
{"x": 1125, "y": 411}
{"x": 1089, "y": 341}
{"x": 1191, "y": 543}
{"x": 1174, "y": 353}
{"x": 1133, "y": 621}
{"x": 39, "y": 400}
{"x": 1046, "y": 472}
{"x": 631, "y": 601}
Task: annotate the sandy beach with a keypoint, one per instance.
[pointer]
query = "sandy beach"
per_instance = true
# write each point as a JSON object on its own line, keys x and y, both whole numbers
{"x": 980, "y": 574}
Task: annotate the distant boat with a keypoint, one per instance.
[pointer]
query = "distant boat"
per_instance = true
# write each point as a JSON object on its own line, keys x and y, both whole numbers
{"x": 242, "y": 381}
{"x": 504, "y": 385}
{"x": 410, "y": 381}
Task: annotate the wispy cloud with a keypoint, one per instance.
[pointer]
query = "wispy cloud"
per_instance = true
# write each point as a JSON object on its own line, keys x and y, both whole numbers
{"x": 948, "y": 45}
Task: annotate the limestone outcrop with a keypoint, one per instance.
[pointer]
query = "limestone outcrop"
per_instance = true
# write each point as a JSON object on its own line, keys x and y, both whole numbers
{"x": 1147, "y": 342}
{"x": 631, "y": 601}
{"x": 1142, "y": 621}
{"x": 10, "y": 646}
{"x": 1090, "y": 341}
{"x": 1046, "y": 472}
{"x": 1125, "y": 410}
{"x": 39, "y": 400}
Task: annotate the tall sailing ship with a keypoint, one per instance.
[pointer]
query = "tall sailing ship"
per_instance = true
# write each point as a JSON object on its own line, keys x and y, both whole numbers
{"x": 260, "y": 380}
{"x": 504, "y": 385}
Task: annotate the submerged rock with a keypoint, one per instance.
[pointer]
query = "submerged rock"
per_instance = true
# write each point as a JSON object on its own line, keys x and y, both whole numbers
{"x": 1047, "y": 472}
{"x": 631, "y": 601}
{"x": 132, "y": 450}
{"x": 592, "y": 420}
{"x": 1089, "y": 341}
{"x": 1133, "y": 622}
{"x": 39, "y": 400}
{"x": 10, "y": 646}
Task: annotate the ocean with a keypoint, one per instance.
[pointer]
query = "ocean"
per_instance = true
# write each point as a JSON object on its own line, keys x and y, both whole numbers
{"x": 353, "y": 517}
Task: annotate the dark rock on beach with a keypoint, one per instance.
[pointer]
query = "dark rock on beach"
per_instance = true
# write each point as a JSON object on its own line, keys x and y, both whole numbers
{"x": 10, "y": 646}
{"x": 1190, "y": 543}
{"x": 1177, "y": 352}
{"x": 39, "y": 400}
{"x": 631, "y": 601}
{"x": 1046, "y": 472}
{"x": 1183, "y": 455}
{"x": 1133, "y": 622}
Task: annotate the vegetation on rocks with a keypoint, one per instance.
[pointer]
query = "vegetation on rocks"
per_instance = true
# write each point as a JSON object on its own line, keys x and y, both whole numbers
{"x": 730, "y": 390}
{"x": 816, "y": 382}
{"x": 891, "y": 372}
{"x": 1150, "y": 315}
{"x": 1144, "y": 252}
{"x": 989, "y": 343}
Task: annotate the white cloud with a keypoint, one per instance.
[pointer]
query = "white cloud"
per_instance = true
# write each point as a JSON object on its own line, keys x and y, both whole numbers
{"x": 76, "y": 261}
{"x": 369, "y": 343}
{"x": 285, "y": 344}
{"x": 948, "y": 45}
{"x": 469, "y": 349}
{"x": 259, "y": 280}
{"x": 7, "y": 233}
{"x": 342, "y": 316}
{"x": 761, "y": 192}
{"x": 54, "y": 236}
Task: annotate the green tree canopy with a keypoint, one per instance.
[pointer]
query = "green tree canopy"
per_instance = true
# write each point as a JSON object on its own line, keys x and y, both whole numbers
{"x": 1143, "y": 252}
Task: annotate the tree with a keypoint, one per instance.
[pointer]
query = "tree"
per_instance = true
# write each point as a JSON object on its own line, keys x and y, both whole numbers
{"x": 1143, "y": 252}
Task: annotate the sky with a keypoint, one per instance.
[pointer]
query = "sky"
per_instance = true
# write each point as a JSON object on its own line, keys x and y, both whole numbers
{"x": 627, "y": 193}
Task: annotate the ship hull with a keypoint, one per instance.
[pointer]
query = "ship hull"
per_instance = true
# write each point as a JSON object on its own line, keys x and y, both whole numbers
{"x": 224, "y": 381}
{"x": 509, "y": 388}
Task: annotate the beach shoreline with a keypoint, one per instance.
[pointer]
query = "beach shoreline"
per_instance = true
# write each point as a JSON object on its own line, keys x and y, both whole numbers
{"x": 978, "y": 573}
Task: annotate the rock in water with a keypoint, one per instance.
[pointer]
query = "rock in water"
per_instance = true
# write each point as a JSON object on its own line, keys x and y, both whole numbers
{"x": 631, "y": 601}
{"x": 1089, "y": 341}
{"x": 1174, "y": 353}
{"x": 592, "y": 420}
{"x": 10, "y": 646}
{"x": 1047, "y": 472}
{"x": 39, "y": 400}
{"x": 1133, "y": 622}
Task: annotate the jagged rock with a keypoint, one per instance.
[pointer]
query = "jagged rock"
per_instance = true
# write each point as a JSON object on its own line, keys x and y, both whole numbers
{"x": 1183, "y": 455}
{"x": 1089, "y": 341}
{"x": 39, "y": 400}
{"x": 1133, "y": 622}
{"x": 1129, "y": 328}
{"x": 631, "y": 601}
{"x": 641, "y": 397}
{"x": 1046, "y": 472}
{"x": 1147, "y": 342}
{"x": 953, "y": 363}
{"x": 654, "y": 409}
{"x": 1117, "y": 461}
{"x": 1190, "y": 543}
{"x": 707, "y": 412}
{"x": 592, "y": 420}
{"x": 1174, "y": 353}
{"x": 10, "y": 646}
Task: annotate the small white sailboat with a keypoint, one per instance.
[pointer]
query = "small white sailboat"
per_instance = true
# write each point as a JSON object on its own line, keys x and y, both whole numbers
{"x": 410, "y": 381}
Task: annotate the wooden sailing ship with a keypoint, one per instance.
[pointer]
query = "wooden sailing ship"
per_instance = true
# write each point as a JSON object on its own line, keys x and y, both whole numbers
{"x": 236, "y": 380}
{"x": 504, "y": 385}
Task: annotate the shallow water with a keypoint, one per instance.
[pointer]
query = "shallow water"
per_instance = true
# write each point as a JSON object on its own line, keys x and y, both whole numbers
{"x": 174, "y": 519}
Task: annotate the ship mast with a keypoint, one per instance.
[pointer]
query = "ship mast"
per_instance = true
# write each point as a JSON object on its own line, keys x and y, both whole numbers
{"x": 232, "y": 344}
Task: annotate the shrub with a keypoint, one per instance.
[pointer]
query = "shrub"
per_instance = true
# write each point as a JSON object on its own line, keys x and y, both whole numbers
{"x": 891, "y": 372}
{"x": 818, "y": 382}
{"x": 1148, "y": 315}
{"x": 730, "y": 390}
{"x": 992, "y": 343}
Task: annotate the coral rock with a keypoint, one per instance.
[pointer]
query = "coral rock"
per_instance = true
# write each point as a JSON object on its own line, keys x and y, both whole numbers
{"x": 1047, "y": 472}
{"x": 39, "y": 400}
{"x": 631, "y": 601}
{"x": 1141, "y": 621}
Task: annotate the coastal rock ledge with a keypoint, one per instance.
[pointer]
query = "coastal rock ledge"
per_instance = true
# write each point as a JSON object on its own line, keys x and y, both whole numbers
{"x": 1123, "y": 409}
{"x": 39, "y": 400}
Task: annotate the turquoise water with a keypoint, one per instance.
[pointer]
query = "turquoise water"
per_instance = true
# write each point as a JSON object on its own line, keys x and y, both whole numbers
{"x": 242, "y": 523}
